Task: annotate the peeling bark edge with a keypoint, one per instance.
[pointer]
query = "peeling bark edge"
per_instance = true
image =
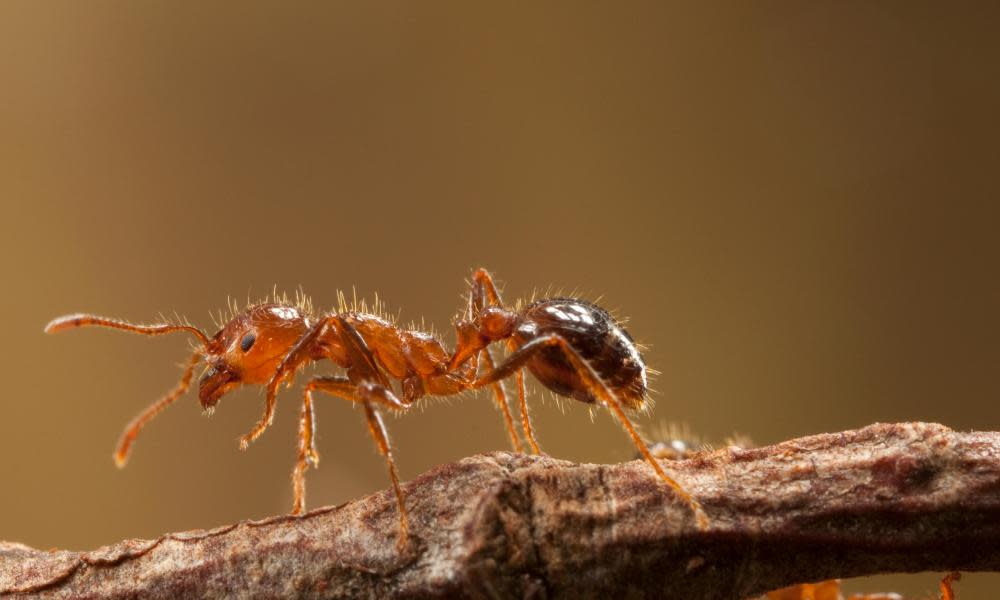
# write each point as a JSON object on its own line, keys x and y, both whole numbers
{"x": 901, "y": 497}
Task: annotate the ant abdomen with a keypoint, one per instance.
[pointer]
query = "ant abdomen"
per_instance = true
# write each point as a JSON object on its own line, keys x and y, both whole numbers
{"x": 600, "y": 340}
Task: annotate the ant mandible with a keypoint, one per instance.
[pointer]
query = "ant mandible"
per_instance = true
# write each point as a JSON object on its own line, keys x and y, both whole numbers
{"x": 574, "y": 348}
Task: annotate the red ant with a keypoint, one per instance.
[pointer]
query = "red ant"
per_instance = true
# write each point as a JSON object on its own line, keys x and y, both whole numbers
{"x": 576, "y": 349}
{"x": 830, "y": 590}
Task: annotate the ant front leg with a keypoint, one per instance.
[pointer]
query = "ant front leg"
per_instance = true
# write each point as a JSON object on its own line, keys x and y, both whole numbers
{"x": 296, "y": 357}
{"x": 598, "y": 389}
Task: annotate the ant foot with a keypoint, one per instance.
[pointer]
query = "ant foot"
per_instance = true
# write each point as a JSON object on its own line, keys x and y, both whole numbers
{"x": 700, "y": 518}
{"x": 403, "y": 543}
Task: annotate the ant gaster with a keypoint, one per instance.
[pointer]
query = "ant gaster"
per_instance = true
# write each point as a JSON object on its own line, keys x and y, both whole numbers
{"x": 574, "y": 348}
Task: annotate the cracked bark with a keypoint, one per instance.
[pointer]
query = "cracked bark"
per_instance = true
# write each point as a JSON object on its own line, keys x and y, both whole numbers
{"x": 886, "y": 498}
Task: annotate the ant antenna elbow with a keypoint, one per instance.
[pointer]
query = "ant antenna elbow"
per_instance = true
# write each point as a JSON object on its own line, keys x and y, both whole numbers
{"x": 84, "y": 320}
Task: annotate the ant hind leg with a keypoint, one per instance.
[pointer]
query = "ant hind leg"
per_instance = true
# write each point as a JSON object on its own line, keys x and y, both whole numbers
{"x": 599, "y": 390}
{"x": 529, "y": 432}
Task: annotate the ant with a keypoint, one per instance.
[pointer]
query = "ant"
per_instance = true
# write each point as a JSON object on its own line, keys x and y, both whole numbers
{"x": 830, "y": 590}
{"x": 574, "y": 348}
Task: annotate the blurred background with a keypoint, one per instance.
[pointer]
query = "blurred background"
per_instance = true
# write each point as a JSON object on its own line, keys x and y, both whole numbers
{"x": 796, "y": 204}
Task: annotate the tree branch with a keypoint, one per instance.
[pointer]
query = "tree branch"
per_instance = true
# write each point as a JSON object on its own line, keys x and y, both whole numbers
{"x": 886, "y": 498}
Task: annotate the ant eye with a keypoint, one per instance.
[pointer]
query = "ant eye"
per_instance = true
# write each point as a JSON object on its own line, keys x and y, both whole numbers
{"x": 247, "y": 342}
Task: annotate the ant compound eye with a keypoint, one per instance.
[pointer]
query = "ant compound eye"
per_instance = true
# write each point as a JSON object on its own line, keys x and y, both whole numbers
{"x": 247, "y": 342}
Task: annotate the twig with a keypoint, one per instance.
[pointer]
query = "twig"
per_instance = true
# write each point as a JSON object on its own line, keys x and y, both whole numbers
{"x": 886, "y": 498}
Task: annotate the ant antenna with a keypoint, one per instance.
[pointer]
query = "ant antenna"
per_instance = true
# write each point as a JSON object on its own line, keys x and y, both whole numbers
{"x": 84, "y": 320}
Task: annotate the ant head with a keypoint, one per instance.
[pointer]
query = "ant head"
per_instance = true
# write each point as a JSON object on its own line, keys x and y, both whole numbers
{"x": 248, "y": 349}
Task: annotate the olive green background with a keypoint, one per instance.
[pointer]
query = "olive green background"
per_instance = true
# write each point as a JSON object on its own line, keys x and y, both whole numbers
{"x": 796, "y": 204}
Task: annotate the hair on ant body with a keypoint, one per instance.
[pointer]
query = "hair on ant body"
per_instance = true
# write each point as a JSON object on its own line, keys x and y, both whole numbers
{"x": 574, "y": 348}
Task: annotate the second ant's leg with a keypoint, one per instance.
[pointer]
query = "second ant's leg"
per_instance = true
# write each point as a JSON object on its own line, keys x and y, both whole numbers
{"x": 369, "y": 394}
{"x": 132, "y": 429}
{"x": 599, "y": 390}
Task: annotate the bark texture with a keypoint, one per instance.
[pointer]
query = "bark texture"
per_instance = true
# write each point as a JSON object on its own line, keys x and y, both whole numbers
{"x": 886, "y": 498}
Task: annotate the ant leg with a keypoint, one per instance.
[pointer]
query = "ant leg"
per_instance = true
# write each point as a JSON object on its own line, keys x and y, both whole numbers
{"x": 378, "y": 393}
{"x": 947, "y": 593}
{"x": 132, "y": 429}
{"x": 362, "y": 360}
{"x": 286, "y": 369}
{"x": 307, "y": 448}
{"x": 374, "y": 388}
{"x": 368, "y": 394}
{"x": 600, "y": 390}
{"x": 525, "y": 419}
{"x": 484, "y": 292}
{"x": 501, "y": 399}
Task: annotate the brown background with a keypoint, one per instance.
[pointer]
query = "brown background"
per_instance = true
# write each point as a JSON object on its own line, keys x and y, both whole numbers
{"x": 795, "y": 203}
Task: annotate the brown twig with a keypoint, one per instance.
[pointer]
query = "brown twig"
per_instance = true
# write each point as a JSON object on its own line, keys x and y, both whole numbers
{"x": 886, "y": 498}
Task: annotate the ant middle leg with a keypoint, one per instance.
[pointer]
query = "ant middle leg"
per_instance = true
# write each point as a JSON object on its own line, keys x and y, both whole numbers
{"x": 300, "y": 353}
{"x": 307, "y": 444}
{"x": 598, "y": 389}
{"x": 368, "y": 394}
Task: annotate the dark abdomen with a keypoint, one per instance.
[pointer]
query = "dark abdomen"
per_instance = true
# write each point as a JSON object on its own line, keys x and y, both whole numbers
{"x": 596, "y": 336}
